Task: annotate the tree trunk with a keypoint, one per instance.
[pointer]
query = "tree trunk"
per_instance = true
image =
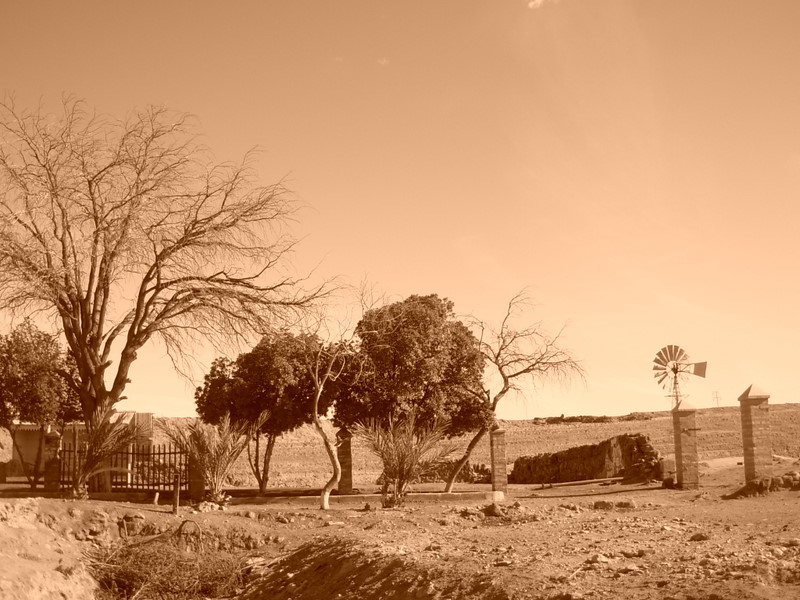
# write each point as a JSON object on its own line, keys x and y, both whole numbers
{"x": 337, "y": 468}
{"x": 252, "y": 460}
{"x": 263, "y": 480}
{"x": 451, "y": 479}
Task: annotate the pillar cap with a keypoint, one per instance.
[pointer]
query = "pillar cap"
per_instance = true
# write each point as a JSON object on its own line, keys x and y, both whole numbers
{"x": 753, "y": 393}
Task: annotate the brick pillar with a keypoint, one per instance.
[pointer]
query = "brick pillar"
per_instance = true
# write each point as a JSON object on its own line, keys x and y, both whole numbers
{"x": 756, "y": 437}
{"x": 686, "y": 463}
{"x": 497, "y": 445}
{"x": 52, "y": 461}
{"x": 344, "y": 451}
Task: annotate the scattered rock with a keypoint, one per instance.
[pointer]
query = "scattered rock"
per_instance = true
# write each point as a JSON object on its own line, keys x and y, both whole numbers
{"x": 493, "y": 510}
{"x": 598, "y": 558}
{"x": 132, "y": 523}
{"x": 699, "y": 537}
{"x": 603, "y": 505}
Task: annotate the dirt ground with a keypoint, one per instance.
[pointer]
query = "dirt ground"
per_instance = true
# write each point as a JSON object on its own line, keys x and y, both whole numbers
{"x": 561, "y": 543}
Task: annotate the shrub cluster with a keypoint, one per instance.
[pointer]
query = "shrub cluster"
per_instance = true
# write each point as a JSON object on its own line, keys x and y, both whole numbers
{"x": 635, "y": 416}
{"x": 439, "y": 473}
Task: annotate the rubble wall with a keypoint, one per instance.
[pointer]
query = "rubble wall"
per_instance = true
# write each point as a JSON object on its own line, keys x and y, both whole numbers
{"x": 630, "y": 455}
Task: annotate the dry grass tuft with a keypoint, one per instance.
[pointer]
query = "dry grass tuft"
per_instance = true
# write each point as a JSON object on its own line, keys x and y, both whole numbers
{"x": 164, "y": 567}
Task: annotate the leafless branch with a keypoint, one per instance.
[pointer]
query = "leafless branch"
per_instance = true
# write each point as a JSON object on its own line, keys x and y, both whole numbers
{"x": 125, "y": 231}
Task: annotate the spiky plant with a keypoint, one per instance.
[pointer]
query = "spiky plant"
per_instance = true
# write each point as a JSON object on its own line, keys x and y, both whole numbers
{"x": 213, "y": 448}
{"x": 104, "y": 437}
{"x": 406, "y": 448}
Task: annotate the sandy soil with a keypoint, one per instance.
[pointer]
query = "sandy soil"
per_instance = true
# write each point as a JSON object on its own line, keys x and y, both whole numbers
{"x": 561, "y": 543}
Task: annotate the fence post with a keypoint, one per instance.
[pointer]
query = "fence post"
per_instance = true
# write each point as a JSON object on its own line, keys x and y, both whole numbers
{"x": 176, "y": 494}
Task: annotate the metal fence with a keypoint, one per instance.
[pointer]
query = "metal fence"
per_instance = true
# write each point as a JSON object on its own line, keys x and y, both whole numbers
{"x": 141, "y": 467}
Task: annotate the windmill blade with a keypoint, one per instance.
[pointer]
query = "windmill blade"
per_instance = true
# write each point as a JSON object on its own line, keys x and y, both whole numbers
{"x": 699, "y": 369}
{"x": 672, "y": 352}
{"x": 661, "y": 357}
{"x": 663, "y": 377}
{"x": 681, "y": 356}
{"x": 657, "y": 367}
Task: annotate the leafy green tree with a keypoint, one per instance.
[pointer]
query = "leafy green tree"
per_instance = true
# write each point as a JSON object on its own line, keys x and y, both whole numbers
{"x": 416, "y": 356}
{"x": 33, "y": 387}
{"x": 272, "y": 377}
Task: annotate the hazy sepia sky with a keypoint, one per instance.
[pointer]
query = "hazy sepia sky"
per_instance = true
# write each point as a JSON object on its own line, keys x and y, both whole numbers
{"x": 635, "y": 164}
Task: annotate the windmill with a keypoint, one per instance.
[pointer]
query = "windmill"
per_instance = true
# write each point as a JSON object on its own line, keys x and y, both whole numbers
{"x": 671, "y": 366}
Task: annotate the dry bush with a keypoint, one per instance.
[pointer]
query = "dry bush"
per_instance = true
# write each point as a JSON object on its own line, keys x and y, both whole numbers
{"x": 160, "y": 569}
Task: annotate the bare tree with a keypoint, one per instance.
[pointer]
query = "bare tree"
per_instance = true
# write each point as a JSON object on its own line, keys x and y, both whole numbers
{"x": 515, "y": 353}
{"x": 326, "y": 364}
{"x": 125, "y": 231}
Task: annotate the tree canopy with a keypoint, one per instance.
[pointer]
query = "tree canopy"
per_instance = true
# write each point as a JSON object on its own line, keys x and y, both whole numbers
{"x": 416, "y": 355}
{"x": 125, "y": 231}
{"x": 32, "y": 384}
{"x": 273, "y": 376}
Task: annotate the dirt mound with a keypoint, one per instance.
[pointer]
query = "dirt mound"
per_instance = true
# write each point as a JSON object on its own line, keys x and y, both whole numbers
{"x": 38, "y": 562}
{"x": 338, "y": 568}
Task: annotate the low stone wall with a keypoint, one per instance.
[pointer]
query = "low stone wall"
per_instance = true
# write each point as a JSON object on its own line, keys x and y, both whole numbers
{"x": 630, "y": 455}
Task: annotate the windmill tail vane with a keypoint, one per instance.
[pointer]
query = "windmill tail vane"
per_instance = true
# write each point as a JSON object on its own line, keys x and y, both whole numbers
{"x": 670, "y": 365}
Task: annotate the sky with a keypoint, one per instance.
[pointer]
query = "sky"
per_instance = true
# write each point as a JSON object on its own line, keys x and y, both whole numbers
{"x": 634, "y": 165}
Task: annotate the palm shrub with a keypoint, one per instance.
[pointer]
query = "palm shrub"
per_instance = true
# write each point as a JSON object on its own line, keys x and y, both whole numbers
{"x": 407, "y": 449}
{"x": 213, "y": 448}
{"x": 104, "y": 437}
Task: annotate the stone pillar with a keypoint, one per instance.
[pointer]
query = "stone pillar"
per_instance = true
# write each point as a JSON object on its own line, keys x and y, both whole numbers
{"x": 497, "y": 445}
{"x": 685, "y": 430}
{"x": 344, "y": 451}
{"x": 52, "y": 461}
{"x": 6, "y": 452}
{"x": 197, "y": 485}
{"x": 756, "y": 437}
